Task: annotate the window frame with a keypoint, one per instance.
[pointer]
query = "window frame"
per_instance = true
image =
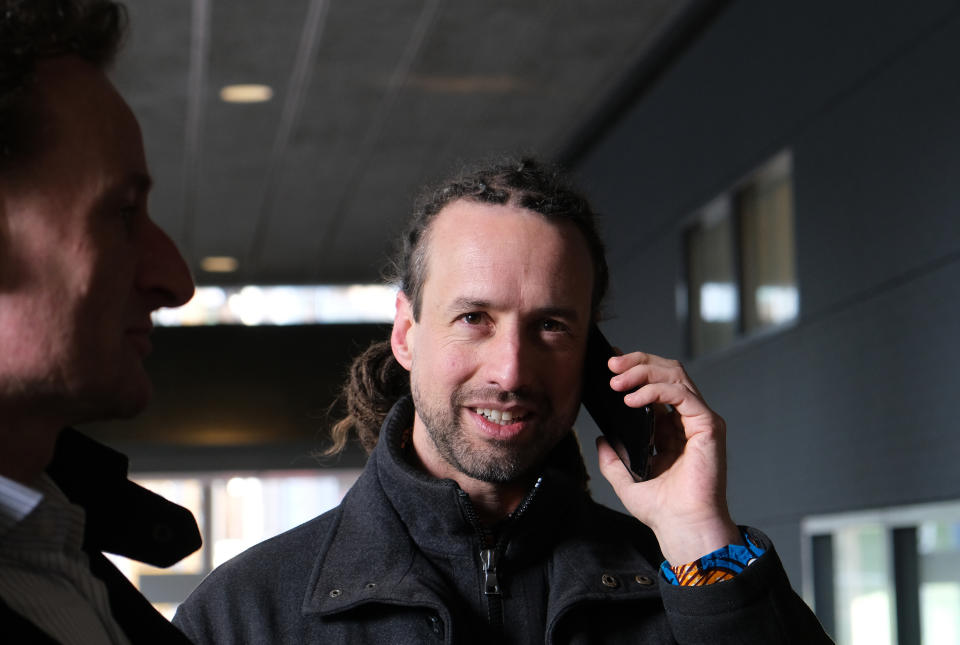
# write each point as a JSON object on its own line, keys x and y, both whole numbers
{"x": 725, "y": 205}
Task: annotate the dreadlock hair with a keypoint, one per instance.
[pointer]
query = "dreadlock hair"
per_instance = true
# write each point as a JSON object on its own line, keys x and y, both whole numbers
{"x": 376, "y": 380}
{"x": 34, "y": 30}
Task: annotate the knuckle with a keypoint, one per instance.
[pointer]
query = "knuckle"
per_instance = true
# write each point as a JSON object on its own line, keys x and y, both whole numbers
{"x": 677, "y": 371}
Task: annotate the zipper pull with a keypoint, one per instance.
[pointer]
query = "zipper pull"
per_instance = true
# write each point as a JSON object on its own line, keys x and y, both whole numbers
{"x": 488, "y": 558}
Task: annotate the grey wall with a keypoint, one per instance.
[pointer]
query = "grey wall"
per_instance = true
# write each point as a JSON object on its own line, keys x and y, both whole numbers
{"x": 854, "y": 406}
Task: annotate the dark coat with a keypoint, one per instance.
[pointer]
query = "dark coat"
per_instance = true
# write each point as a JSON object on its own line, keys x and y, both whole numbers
{"x": 121, "y": 518}
{"x": 399, "y": 561}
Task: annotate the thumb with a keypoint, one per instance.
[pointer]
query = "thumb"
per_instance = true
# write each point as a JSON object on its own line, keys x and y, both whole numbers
{"x": 612, "y": 469}
{"x": 632, "y": 494}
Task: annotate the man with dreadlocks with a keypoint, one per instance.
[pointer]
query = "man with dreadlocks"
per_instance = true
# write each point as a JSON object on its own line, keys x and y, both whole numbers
{"x": 472, "y": 522}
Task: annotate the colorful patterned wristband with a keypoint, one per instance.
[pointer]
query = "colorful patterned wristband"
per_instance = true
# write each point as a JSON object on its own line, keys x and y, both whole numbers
{"x": 722, "y": 564}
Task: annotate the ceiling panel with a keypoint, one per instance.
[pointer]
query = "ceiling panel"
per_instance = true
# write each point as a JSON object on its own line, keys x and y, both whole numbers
{"x": 371, "y": 99}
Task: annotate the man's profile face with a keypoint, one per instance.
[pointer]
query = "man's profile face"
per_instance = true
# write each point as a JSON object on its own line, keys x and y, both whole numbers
{"x": 82, "y": 264}
{"x": 495, "y": 358}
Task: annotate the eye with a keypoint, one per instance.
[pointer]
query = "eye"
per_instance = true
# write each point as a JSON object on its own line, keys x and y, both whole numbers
{"x": 552, "y": 326}
{"x": 130, "y": 215}
{"x": 472, "y": 318}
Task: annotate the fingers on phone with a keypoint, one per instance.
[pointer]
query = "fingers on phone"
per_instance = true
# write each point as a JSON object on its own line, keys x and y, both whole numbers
{"x": 686, "y": 402}
{"x": 638, "y": 369}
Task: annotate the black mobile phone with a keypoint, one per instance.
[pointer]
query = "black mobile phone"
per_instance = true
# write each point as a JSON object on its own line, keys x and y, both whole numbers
{"x": 629, "y": 430}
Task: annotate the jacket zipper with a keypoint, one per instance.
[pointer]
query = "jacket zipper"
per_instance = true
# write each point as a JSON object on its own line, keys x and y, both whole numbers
{"x": 490, "y": 555}
{"x": 488, "y": 560}
{"x": 491, "y": 589}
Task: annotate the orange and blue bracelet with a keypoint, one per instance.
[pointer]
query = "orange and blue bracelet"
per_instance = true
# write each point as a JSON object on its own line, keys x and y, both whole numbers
{"x": 722, "y": 564}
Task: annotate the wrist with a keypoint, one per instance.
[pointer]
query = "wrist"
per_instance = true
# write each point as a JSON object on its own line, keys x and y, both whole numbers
{"x": 721, "y": 565}
{"x": 685, "y": 543}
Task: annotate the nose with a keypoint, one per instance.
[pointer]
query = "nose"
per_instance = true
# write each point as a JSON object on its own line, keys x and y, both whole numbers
{"x": 507, "y": 359}
{"x": 162, "y": 272}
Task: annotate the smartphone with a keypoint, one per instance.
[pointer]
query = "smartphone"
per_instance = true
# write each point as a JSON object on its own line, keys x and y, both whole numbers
{"x": 629, "y": 430}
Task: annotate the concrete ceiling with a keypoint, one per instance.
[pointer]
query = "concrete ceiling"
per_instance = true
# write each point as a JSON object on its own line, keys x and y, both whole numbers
{"x": 372, "y": 98}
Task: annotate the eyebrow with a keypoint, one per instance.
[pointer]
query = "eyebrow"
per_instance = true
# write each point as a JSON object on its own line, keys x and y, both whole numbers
{"x": 559, "y": 312}
{"x": 141, "y": 182}
{"x": 468, "y": 304}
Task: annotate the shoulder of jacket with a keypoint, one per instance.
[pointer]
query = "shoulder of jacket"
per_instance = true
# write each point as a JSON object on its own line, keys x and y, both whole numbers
{"x": 276, "y": 558}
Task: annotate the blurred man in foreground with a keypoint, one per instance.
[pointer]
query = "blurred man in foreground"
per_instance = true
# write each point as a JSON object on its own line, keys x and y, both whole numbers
{"x": 82, "y": 266}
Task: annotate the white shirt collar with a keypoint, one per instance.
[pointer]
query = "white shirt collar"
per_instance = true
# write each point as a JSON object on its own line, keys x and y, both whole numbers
{"x": 16, "y": 502}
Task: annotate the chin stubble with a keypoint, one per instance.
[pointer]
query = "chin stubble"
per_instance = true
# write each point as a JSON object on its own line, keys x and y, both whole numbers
{"x": 491, "y": 461}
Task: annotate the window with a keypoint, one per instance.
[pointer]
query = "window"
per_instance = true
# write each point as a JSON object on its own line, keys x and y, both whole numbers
{"x": 253, "y": 305}
{"x": 741, "y": 271}
{"x": 886, "y": 577}
{"x": 234, "y": 511}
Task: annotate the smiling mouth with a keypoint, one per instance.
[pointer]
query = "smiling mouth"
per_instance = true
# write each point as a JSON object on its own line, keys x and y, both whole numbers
{"x": 500, "y": 417}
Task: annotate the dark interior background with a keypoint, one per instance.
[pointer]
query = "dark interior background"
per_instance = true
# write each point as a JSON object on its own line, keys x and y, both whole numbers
{"x": 852, "y": 407}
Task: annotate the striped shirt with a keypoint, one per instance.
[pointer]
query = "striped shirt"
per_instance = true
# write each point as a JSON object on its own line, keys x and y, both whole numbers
{"x": 44, "y": 573}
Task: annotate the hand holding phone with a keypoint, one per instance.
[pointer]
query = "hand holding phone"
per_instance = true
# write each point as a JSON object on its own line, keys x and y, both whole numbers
{"x": 629, "y": 430}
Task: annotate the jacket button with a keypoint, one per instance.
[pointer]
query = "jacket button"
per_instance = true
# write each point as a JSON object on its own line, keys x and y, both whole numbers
{"x": 436, "y": 625}
{"x": 370, "y": 586}
{"x": 335, "y": 593}
{"x": 609, "y": 581}
{"x": 644, "y": 580}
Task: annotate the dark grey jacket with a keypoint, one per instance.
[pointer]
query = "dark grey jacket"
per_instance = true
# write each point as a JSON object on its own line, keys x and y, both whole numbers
{"x": 402, "y": 560}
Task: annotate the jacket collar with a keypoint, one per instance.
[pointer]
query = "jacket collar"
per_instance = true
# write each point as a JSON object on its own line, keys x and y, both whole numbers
{"x": 371, "y": 553}
{"x": 395, "y": 516}
{"x": 122, "y": 517}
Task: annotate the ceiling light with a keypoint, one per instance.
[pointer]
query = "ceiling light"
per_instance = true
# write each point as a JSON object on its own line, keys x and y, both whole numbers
{"x": 250, "y": 93}
{"x": 219, "y": 264}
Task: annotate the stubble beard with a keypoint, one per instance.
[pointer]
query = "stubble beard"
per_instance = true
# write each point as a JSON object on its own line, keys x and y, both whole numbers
{"x": 111, "y": 385}
{"x": 489, "y": 460}
{"x": 77, "y": 386}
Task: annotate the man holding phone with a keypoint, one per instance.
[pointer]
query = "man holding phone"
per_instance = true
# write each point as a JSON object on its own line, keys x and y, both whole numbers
{"x": 472, "y": 521}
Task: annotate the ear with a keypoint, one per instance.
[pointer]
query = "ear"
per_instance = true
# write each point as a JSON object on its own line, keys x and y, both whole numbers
{"x": 401, "y": 338}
